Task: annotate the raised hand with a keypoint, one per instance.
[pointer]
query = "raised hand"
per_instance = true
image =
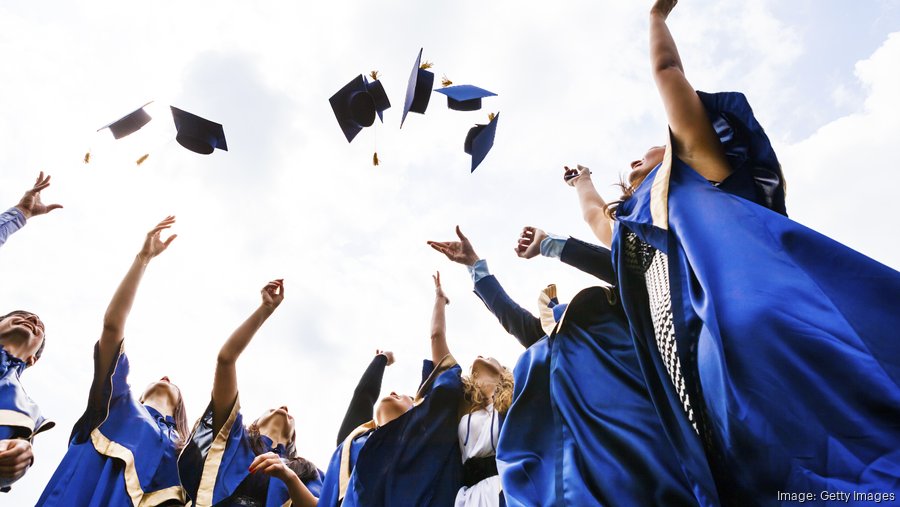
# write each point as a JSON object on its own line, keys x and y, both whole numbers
{"x": 273, "y": 294}
{"x": 30, "y": 205}
{"x": 438, "y": 291}
{"x": 663, "y": 7}
{"x": 457, "y": 251}
{"x": 153, "y": 244}
{"x": 386, "y": 353}
{"x": 577, "y": 175}
{"x": 15, "y": 458}
{"x": 529, "y": 244}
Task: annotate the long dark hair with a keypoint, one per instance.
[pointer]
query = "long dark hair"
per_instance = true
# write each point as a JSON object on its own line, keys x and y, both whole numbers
{"x": 635, "y": 178}
{"x": 181, "y": 422}
{"x": 305, "y": 469}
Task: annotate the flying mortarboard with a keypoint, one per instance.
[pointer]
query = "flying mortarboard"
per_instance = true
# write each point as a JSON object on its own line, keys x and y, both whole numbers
{"x": 356, "y": 104}
{"x": 129, "y": 123}
{"x": 465, "y": 97}
{"x": 198, "y": 134}
{"x": 418, "y": 92}
{"x": 480, "y": 140}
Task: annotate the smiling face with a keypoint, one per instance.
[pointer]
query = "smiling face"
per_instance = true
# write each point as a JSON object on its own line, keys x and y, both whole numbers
{"x": 391, "y": 407}
{"x": 22, "y": 335}
{"x": 277, "y": 424}
{"x": 641, "y": 168}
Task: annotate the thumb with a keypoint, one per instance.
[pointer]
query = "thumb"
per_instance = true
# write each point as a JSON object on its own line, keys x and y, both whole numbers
{"x": 53, "y": 207}
{"x": 460, "y": 234}
{"x": 170, "y": 240}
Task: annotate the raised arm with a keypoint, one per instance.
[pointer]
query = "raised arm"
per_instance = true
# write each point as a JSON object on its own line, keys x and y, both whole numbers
{"x": 694, "y": 139}
{"x": 29, "y": 205}
{"x": 593, "y": 207}
{"x": 365, "y": 395}
{"x": 123, "y": 299}
{"x": 225, "y": 388}
{"x": 439, "y": 347}
{"x": 516, "y": 320}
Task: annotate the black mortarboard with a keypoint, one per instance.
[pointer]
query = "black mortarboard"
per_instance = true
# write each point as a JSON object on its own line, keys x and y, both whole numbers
{"x": 480, "y": 140}
{"x": 198, "y": 134}
{"x": 129, "y": 123}
{"x": 465, "y": 97}
{"x": 418, "y": 92}
{"x": 356, "y": 103}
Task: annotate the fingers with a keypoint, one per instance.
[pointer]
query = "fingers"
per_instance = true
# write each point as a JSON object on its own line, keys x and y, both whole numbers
{"x": 437, "y": 279}
{"x": 169, "y": 240}
{"x": 438, "y": 246}
{"x": 12, "y": 449}
{"x": 164, "y": 224}
{"x": 259, "y": 460}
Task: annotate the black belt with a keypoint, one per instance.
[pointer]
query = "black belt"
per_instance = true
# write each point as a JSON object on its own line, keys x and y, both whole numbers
{"x": 476, "y": 470}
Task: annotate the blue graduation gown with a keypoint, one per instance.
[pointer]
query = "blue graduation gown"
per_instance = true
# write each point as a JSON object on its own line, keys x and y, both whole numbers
{"x": 214, "y": 469}
{"x": 20, "y": 417}
{"x": 582, "y": 429}
{"x": 120, "y": 453}
{"x": 789, "y": 335}
{"x": 413, "y": 460}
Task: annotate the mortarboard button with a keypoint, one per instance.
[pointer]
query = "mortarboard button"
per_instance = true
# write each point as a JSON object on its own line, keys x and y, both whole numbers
{"x": 376, "y": 89}
{"x": 198, "y": 134}
{"x": 418, "y": 92}
{"x": 465, "y": 97}
{"x": 129, "y": 123}
{"x": 356, "y": 103}
{"x": 480, "y": 140}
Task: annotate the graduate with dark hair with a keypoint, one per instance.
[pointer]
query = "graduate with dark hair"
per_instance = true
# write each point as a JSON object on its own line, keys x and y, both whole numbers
{"x": 123, "y": 449}
{"x": 581, "y": 429}
{"x": 226, "y": 463}
{"x": 766, "y": 346}
{"x": 408, "y": 453}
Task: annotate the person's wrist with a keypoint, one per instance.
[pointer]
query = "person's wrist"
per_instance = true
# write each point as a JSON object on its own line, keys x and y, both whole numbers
{"x": 471, "y": 260}
{"x": 24, "y": 211}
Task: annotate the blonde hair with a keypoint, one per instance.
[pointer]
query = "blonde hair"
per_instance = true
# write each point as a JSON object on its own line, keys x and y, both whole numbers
{"x": 474, "y": 399}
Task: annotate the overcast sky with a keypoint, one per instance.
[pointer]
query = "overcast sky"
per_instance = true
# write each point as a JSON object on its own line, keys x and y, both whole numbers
{"x": 292, "y": 199}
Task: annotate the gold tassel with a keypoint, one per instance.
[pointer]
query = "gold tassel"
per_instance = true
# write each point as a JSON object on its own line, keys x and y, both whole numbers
{"x": 491, "y": 116}
{"x": 426, "y": 65}
{"x": 445, "y": 82}
{"x": 375, "y": 159}
{"x": 374, "y": 75}
{"x": 87, "y": 157}
{"x": 142, "y": 159}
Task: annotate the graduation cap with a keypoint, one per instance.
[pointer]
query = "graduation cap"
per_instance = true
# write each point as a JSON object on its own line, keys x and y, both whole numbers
{"x": 128, "y": 124}
{"x": 198, "y": 134}
{"x": 356, "y": 104}
{"x": 418, "y": 92}
{"x": 480, "y": 140}
{"x": 465, "y": 97}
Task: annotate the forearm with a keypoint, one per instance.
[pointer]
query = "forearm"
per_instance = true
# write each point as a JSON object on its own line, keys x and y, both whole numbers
{"x": 364, "y": 397}
{"x": 300, "y": 495}
{"x": 225, "y": 388}
{"x": 10, "y": 221}
{"x": 663, "y": 52}
{"x": 439, "y": 347}
{"x": 517, "y": 321}
{"x": 593, "y": 210}
{"x": 121, "y": 303}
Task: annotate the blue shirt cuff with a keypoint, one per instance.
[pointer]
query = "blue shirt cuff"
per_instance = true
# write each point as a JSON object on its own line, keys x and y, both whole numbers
{"x": 552, "y": 245}
{"x": 479, "y": 270}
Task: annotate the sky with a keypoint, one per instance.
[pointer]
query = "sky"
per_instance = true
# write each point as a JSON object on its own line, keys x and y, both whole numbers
{"x": 292, "y": 199}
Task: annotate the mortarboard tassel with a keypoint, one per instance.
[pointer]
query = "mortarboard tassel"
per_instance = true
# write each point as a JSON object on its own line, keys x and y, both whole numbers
{"x": 87, "y": 157}
{"x": 375, "y": 160}
{"x": 491, "y": 116}
{"x": 374, "y": 75}
{"x": 142, "y": 159}
{"x": 445, "y": 82}
{"x": 426, "y": 65}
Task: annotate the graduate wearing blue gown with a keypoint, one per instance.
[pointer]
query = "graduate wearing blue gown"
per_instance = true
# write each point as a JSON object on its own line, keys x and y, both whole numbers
{"x": 21, "y": 335}
{"x": 408, "y": 455}
{"x": 123, "y": 449}
{"x": 228, "y": 464}
{"x": 766, "y": 346}
{"x": 582, "y": 429}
